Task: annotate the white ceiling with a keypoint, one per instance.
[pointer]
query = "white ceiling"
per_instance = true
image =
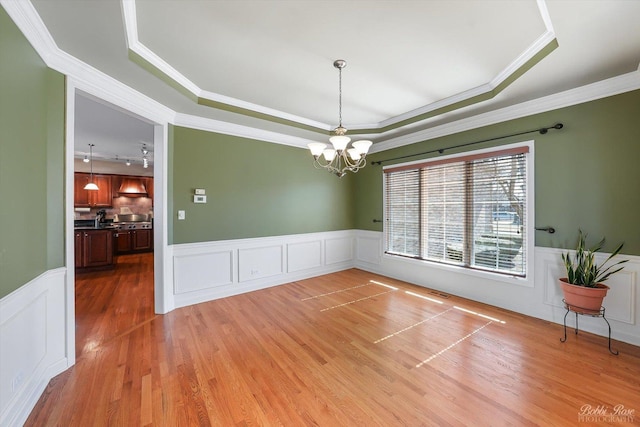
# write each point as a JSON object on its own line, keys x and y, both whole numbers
{"x": 117, "y": 136}
{"x": 404, "y": 57}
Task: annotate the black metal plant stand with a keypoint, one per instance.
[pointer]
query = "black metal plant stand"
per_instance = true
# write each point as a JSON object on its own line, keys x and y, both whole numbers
{"x": 585, "y": 312}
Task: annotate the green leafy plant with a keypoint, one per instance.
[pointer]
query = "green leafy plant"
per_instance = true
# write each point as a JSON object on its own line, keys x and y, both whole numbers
{"x": 583, "y": 271}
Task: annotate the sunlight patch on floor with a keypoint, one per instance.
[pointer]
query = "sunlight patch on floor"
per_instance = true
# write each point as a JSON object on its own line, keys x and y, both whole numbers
{"x": 412, "y": 326}
{"x": 357, "y": 300}
{"x": 444, "y": 350}
{"x": 423, "y": 297}
{"x": 484, "y": 316}
{"x": 335, "y": 292}
{"x": 382, "y": 284}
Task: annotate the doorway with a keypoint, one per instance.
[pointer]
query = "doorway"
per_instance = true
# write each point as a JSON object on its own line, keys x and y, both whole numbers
{"x": 107, "y": 302}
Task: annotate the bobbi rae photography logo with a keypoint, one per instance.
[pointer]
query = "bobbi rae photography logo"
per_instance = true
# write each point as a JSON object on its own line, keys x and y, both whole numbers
{"x": 602, "y": 413}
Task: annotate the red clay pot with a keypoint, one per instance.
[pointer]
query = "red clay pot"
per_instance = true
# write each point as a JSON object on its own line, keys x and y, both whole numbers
{"x": 581, "y": 299}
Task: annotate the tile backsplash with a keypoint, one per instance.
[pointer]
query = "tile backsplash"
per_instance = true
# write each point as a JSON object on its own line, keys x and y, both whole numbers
{"x": 134, "y": 205}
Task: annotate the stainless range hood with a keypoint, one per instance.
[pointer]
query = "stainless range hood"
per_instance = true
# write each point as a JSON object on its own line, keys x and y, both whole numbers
{"x": 132, "y": 187}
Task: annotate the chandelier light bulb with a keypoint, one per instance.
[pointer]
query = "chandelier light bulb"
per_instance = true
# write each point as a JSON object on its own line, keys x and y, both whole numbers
{"x": 339, "y": 142}
{"x": 316, "y": 148}
{"x": 354, "y": 154}
{"x": 362, "y": 146}
{"x": 329, "y": 154}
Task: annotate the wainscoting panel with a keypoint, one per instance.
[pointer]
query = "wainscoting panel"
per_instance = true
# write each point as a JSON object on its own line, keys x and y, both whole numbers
{"x": 339, "y": 250}
{"x": 621, "y": 296}
{"x": 202, "y": 271}
{"x": 258, "y": 263}
{"x": 369, "y": 247}
{"x": 304, "y": 255}
{"x": 32, "y": 343}
{"x": 211, "y": 270}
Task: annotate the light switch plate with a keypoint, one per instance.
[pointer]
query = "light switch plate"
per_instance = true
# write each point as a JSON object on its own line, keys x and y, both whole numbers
{"x": 181, "y": 215}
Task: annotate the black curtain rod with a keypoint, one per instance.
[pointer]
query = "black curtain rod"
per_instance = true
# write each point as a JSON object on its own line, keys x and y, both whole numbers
{"x": 441, "y": 150}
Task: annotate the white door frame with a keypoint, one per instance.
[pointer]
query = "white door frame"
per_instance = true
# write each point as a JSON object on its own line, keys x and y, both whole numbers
{"x": 141, "y": 107}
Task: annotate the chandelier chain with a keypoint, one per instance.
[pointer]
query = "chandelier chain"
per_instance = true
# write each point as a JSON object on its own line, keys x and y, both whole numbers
{"x": 340, "y": 97}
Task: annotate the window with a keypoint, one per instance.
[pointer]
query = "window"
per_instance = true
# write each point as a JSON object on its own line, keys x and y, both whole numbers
{"x": 467, "y": 210}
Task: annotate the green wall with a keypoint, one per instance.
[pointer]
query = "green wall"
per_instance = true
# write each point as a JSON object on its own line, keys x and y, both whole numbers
{"x": 253, "y": 188}
{"x": 586, "y": 175}
{"x": 31, "y": 162}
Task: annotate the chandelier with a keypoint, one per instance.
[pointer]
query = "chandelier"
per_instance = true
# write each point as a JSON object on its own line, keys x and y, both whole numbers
{"x": 339, "y": 160}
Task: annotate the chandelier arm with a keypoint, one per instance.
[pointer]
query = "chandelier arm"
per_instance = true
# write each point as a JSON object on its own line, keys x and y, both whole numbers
{"x": 328, "y": 166}
{"x": 355, "y": 168}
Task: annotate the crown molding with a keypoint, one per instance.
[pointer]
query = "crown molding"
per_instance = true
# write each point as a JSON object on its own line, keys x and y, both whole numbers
{"x": 222, "y": 99}
{"x": 489, "y": 89}
{"x": 82, "y": 75}
{"x": 134, "y": 44}
{"x": 90, "y": 80}
{"x": 217, "y": 126}
{"x": 539, "y": 49}
{"x": 591, "y": 92}
{"x": 130, "y": 20}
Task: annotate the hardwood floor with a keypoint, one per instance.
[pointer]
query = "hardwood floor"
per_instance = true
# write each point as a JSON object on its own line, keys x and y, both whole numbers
{"x": 350, "y": 348}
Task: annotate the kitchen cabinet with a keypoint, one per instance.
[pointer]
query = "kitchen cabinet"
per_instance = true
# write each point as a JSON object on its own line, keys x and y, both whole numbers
{"x": 93, "y": 248}
{"x": 100, "y": 198}
{"x": 149, "y": 184}
{"x": 127, "y": 241}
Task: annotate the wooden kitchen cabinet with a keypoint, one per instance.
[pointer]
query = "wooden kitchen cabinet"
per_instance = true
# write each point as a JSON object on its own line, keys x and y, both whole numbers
{"x": 100, "y": 198}
{"x": 93, "y": 248}
{"x": 122, "y": 241}
{"x": 142, "y": 240}
{"x": 149, "y": 184}
{"x": 127, "y": 241}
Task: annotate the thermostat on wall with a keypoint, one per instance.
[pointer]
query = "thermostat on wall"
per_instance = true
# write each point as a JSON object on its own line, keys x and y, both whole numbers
{"x": 199, "y": 199}
{"x": 200, "y": 191}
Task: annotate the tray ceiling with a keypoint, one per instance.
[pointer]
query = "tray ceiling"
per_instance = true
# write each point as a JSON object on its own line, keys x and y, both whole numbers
{"x": 411, "y": 64}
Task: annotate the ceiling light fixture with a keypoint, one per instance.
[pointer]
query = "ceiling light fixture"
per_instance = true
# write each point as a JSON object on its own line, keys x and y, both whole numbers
{"x": 91, "y": 185}
{"x": 145, "y": 160}
{"x": 339, "y": 160}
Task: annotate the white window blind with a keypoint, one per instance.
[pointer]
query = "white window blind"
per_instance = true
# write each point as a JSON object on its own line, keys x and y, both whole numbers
{"x": 468, "y": 211}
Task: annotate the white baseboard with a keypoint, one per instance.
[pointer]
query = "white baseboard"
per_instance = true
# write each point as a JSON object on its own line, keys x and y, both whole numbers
{"x": 32, "y": 343}
{"x": 543, "y": 300}
{"x": 212, "y": 270}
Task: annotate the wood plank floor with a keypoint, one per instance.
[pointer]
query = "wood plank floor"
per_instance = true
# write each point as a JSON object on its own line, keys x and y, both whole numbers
{"x": 345, "y": 349}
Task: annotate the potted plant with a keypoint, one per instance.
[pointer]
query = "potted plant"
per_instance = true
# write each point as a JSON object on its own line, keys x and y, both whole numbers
{"x": 583, "y": 288}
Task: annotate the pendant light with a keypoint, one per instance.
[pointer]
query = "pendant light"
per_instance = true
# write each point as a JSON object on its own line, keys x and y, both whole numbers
{"x": 91, "y": 185}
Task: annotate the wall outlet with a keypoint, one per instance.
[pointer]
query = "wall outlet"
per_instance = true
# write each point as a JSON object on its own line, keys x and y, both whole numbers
{"x": 181, "y": 215}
